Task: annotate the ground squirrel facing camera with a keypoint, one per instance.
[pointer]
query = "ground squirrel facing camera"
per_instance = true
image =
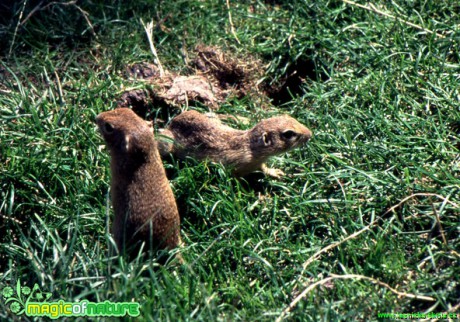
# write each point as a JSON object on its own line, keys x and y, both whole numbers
{"x": 204, "y": 137}
{"x": 143, "y": 202}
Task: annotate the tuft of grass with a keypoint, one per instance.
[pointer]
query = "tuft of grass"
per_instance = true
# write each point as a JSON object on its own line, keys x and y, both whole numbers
{"x": 374, "y": 194}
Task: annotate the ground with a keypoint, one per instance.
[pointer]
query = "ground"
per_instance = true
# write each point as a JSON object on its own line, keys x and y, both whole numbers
{"x": 366, "y": 220}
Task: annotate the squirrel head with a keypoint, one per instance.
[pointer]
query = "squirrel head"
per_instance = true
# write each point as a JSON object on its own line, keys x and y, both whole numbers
{"x": 124, "y": 132}
{"x": 278, "y": 134}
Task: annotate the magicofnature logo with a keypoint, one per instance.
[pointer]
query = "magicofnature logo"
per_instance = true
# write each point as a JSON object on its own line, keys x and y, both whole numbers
{"x": 34, "y": 302}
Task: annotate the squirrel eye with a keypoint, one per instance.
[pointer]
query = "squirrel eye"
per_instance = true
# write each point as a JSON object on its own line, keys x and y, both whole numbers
{"x": 108, "y": 128}
{"x": 289, "y": 134}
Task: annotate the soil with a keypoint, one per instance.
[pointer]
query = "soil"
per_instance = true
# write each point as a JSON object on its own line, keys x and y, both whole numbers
{"x": 216, "y": 76}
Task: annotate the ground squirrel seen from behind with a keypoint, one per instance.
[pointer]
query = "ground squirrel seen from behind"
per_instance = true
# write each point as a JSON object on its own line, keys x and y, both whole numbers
{"x": 204, "y": 137}
{"x": 143, "y": 202}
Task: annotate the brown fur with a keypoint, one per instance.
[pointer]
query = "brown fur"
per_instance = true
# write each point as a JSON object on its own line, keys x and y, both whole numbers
{"x": 204, "y": 137}
{"x": 143, "y": 202}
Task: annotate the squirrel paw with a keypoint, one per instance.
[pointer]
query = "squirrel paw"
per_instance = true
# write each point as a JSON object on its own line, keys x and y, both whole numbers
{"x": 272, "y": 172}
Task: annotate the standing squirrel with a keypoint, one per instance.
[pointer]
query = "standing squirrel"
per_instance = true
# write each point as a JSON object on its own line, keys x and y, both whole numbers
{"x": 204, "y": 137}
{"x": 143, "y": 202}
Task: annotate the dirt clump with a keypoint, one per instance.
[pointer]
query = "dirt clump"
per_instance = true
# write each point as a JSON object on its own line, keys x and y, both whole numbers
{"x": 170, "y": 89}
{"x": 237, "y": 75}
{"x": 216, "y": 76}
{"x": 142, "y": 71}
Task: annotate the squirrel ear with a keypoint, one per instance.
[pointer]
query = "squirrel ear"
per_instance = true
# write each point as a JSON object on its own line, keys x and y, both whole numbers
{"x": 150, "y": 125}
{"x": 126, "y": 146}
{"x": 266, "y": 139}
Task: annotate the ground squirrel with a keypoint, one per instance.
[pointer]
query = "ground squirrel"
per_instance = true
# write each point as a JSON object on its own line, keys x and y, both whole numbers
{"x": 204, "y": 137}
{"x": 143, "y": 202}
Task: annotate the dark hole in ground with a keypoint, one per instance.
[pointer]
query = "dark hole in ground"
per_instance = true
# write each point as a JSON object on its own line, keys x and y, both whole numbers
{"x": 145, "y": 104}
{"x": 291, "y": 83}
{"x": 226, "y": 70}
{"x": 229, "y": 78}
{"x": 232, "y": 74}
{"x": 138, "y": 100}
{"x": 256, "y": 181}
{"x": 158, "y": 108}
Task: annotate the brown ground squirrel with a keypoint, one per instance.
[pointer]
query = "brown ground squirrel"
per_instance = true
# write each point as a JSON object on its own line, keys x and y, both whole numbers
{"x": 143, "y": 202}
{"x": 204, "y": 137}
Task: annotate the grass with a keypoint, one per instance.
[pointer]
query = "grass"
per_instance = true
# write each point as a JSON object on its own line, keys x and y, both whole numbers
{"x": 382, "y": 100}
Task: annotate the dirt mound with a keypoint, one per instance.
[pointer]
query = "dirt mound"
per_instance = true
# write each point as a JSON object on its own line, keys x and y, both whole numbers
{"x": 170, "y": 89}
{"x": 238, "y": 75}
{"x": 216, "y": 77}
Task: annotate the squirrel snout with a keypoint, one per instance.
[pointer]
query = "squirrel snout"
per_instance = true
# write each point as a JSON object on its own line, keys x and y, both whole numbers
{"x": 307, "y": 134}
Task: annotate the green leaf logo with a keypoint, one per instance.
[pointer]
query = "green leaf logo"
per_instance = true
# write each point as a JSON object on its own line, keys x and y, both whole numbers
{"x": 7, "y": 292}
{"x": 26, "y": 290}
{"x": 23, "y": 295}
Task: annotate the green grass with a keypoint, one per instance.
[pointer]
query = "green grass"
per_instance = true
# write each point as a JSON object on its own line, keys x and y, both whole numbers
{"x": 381, "y": 97}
